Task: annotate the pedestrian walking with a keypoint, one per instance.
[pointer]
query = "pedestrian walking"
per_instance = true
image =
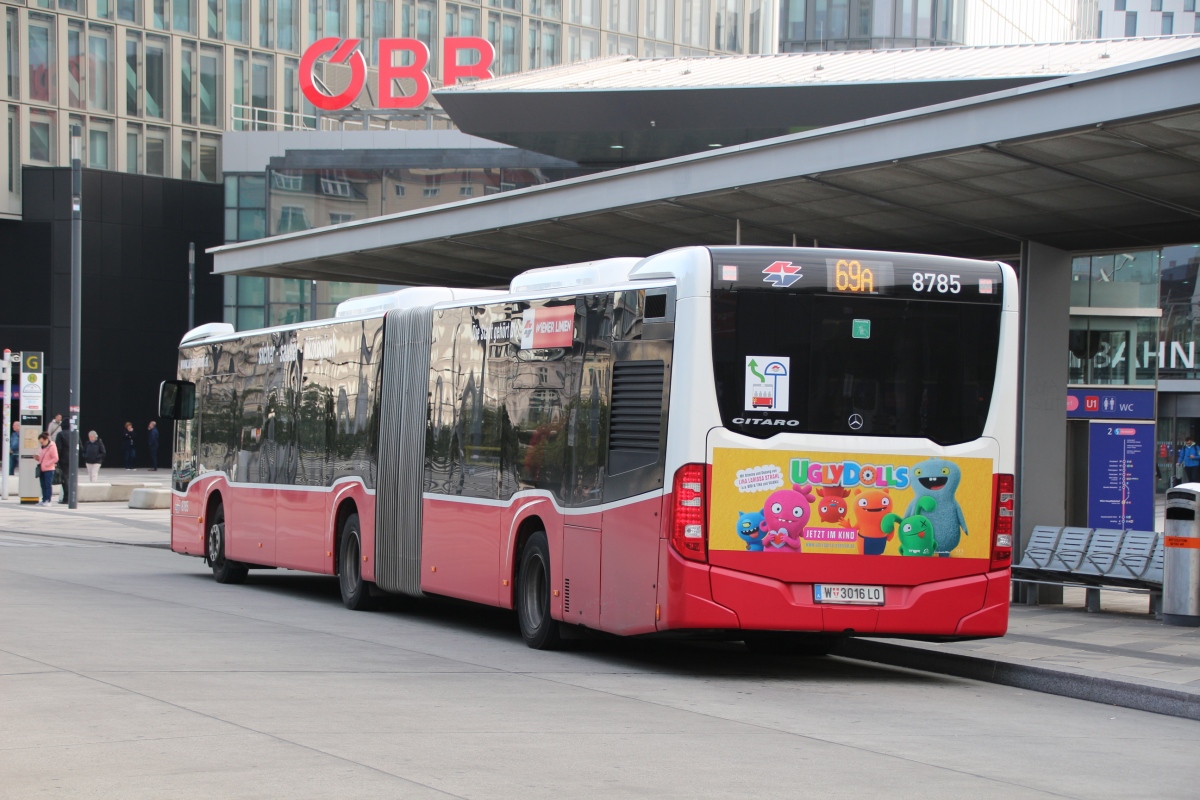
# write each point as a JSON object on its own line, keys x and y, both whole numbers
{"x": 14, "y": 448}
{"x": 63, "y": 442}
{"x": 1189, "y": 459}
{"x": 152, "y": 444}
{"x": 47, "y": 457}
{"x": 54, "y": 427}
{"x": 93, "y": 455}
{"x": 129, "y": 445}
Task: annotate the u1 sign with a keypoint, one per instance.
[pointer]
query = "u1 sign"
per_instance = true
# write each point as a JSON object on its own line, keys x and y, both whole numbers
{"x": 346, "y": 51}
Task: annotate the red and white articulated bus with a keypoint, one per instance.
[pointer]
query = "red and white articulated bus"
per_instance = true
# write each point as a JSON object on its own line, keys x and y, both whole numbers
{"x": 738, "y": 439}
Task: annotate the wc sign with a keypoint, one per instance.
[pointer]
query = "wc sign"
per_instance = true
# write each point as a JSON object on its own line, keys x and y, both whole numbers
{"x": 346, "y": 51}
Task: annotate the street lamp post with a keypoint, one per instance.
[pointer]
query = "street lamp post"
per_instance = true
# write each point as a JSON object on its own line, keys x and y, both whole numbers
{"x": 76, "y": 313}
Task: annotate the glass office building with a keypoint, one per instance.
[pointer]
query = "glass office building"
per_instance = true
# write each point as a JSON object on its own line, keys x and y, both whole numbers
{"x": 154, "y": 83}
{"x": 869, "y": 24}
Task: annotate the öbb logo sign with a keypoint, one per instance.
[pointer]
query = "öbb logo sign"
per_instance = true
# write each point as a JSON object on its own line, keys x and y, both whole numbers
{"x": 346, "y": 51}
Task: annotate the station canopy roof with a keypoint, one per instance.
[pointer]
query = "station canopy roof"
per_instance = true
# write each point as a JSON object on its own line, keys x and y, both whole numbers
{"x": 1109, "y": 159}
{"x": 625, "y": 110}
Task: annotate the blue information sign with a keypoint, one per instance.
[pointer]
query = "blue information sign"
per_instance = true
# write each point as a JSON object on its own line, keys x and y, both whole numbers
{"x": 1121, "y": 476}
{"x": 1104, "y": 403}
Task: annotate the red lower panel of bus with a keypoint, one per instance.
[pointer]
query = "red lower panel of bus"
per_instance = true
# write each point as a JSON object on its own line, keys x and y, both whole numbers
{"x": 700, "y": 596}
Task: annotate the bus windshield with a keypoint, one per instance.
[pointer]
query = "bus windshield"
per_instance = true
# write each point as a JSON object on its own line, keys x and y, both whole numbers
{"x": 867, "y": 364}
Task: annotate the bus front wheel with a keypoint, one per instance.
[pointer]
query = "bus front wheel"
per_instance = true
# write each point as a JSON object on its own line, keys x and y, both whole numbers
{"x": 538, "y": 628}
{"x": 356, "y": 594}
{"x": 224, "y": 570}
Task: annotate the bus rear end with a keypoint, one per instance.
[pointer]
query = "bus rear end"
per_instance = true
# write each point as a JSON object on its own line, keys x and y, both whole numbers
{"x": 857, "y": 468}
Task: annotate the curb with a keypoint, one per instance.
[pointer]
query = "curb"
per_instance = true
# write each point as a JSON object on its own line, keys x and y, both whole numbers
{"x": 95, "y": 539}
{"x": 1155, "y": 699}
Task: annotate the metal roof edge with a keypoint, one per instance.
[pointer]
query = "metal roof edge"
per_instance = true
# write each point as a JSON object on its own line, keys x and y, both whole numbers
{"x": 363, "y": 235}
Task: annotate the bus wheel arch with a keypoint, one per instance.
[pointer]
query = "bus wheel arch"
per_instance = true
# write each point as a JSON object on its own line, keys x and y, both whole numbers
{"x": 355, "y": 590}
{"x": 345, "y": 508}
{"x": 533, "y": 593}
{"x": 225, "y": 570}
{"x": 527, "y": 528}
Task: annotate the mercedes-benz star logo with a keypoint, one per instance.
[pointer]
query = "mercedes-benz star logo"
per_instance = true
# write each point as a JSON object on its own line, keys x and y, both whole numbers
{"x": 856, "y": 421}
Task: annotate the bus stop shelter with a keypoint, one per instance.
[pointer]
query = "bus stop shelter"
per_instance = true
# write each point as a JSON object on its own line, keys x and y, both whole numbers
{"x": 1105, "y": 160}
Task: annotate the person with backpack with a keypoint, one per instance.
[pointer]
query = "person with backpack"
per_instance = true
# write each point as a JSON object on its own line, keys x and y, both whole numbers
{"x": 93, "y": 455}
{"x": 1189, "y": 459}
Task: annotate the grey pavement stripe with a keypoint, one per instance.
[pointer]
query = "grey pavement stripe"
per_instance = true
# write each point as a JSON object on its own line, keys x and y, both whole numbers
{"x": 1126, "y": 694}
{"x": 1141, "y": 649}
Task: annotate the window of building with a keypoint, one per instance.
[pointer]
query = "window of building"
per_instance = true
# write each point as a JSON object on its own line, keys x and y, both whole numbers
{"x": 40, "y": 36}
{"x": 212, "y": 19}
{"x": 584, "y": 12}
{"x": 466, "y": 191}
{"x": 335, "y": 18}
{"x": 210, "y": 158}
{"x": 133, "y": 148}
{"x": 1189, "y": 5}
{"x": 262, "y": 86}
{"x": 12, "y": 59}
{"x": 133, "y": 58}
{"x": 545, "y": 44}
{"x": 265, "y": 14}
{"x": 694, "y": 22}
{"x": 433, "y": 185}
{"x": 427, "y": 31}
{"x": 187, "y": 155}
{"x": 287, "y": 181}
{"x": 159, "y": 11}
{"x": 1119, "y": 5}
{"x": 728, "y": 28}
{"x": 291, "y": 93}
{"x": 100, "y": 67}
{"x": 14, "y": 148}
{"x": 504, "y": 32}
{"x": 127, "y": 10}
{"x": 187, "y": 82}
{"x": 660, "y": 20}
{"x": 287, "y": 25}
{"x": 103, "y": 9}
{"x": 210, "y": 86}
{"x": 157, "y": 151}
{"x": 292, "y": 218}
{"x": 237, "y": 14}
{"x": 41, "y": 136}
{"x": 399, "y": 187}
{"x": 241, "y": 74}
{"x": 64, "y": 5}
{"x": 184, "y": 17}
{"x": 335, "y": 184}
{"x": 622, "y": 16}
{"x": 338, "y": 219}
{"x": 1131, "y": 23}
{"x": 1168, "y": 24}
{"x": 99, "y": 139}
{"x": 75, "y": 90}
{"x": 156, "y": 77}
{"x": 1196, "y": 27}
{"x": 1156, "y": 5}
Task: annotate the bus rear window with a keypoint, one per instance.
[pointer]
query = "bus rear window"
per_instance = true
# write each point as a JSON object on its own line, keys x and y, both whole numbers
{"x": 860, "y": 366}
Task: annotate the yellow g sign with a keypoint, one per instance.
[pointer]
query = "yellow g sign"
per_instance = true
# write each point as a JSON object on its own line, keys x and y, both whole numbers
{"x": 32, "y": 362}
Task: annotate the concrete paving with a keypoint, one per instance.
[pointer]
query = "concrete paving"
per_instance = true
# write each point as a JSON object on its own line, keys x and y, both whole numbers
{"x": 127, "y": 672}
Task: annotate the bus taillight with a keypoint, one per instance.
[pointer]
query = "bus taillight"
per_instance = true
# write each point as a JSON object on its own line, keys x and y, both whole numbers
{"x": 689, "y": 535}
{"x": 1002, "y": 521}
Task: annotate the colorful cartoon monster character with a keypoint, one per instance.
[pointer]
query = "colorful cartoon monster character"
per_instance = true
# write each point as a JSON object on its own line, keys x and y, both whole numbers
{"x": 916, "y": 531}
{"x": 832, "y": 506}
{"x": 870, "y": 508}
{"x": 749, "y": 528}
{"x": 784, "y": 515}
{"x": 939, "y": 479}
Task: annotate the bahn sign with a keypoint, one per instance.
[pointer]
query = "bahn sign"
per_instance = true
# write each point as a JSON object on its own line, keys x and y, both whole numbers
{"x": 346, "y": 51}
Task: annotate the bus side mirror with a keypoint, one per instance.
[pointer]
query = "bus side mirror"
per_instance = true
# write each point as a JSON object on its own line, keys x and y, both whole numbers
{"x": 177, "y": 400}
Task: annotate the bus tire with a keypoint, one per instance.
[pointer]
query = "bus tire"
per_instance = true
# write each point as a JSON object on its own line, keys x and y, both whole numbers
{"x": 787, "y": 643}
{"x": 356, "y": 593}
{"x": 224, "y": 570}
{"x": 538, "y": 629}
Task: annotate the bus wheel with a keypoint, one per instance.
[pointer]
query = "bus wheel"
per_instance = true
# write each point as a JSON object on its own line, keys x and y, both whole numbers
{"x": 538, "y": 628}
{"x": 786, "y": 643}
{"x": 224, "y": 570}
{"x": 356, "y": 594}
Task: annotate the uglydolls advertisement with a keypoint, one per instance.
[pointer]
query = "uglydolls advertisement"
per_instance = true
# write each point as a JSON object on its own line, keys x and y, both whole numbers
{"x": 795, "y": 503}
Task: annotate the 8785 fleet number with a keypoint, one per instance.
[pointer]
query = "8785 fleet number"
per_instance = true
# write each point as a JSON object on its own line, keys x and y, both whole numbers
{"x": 938, "y": 282}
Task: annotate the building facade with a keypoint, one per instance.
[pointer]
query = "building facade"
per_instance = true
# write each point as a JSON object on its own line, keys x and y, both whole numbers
{"x": 806, "y": 25}
{"x": 154, "y": 83}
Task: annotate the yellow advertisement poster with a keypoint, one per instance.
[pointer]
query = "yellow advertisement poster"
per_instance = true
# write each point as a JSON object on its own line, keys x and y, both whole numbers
{"x": 850, "y": 503}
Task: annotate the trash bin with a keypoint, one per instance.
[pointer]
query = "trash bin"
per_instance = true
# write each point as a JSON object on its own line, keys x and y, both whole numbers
{"x": 1181, "y": 556}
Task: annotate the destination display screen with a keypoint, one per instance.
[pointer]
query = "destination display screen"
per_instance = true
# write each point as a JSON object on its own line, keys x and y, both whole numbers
{"x": 859, "y": 273}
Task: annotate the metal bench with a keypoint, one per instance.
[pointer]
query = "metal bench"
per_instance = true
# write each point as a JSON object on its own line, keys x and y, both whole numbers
{"x": 1130, "y": 561}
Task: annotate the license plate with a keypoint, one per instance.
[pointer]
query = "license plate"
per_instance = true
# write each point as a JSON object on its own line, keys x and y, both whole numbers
{"x": 848, "y": 595}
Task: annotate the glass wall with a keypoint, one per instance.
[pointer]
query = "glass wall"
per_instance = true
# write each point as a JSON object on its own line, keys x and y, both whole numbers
{"x": 1114, "y": 319}
{"x": 806, "y": 25}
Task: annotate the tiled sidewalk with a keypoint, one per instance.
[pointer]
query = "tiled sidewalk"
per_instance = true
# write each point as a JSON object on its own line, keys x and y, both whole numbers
{"x": 1122, "y": 642}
